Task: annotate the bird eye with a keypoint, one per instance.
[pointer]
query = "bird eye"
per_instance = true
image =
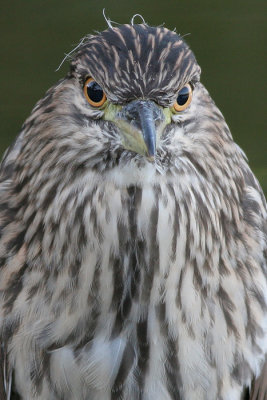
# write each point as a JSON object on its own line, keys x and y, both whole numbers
{"x": 94, "y": 93}
{"x": 184, "y": 98}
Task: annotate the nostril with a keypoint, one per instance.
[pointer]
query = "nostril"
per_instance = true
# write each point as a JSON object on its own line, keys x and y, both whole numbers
{"x": 134, "y": 112}
{"x": 131, "y": 115}
{"x": 157, "y": 120}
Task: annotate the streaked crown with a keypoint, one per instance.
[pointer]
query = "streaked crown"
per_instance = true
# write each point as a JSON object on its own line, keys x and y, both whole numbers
{"x": 137, "y": 61}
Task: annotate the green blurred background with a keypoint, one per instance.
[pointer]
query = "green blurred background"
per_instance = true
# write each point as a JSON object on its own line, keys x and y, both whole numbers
{"x": 228, "y": 38}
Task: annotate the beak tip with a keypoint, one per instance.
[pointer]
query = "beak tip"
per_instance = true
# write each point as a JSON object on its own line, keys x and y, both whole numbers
{"x": 137, "y": 121}
{"x": 151, "y": 158}
{"x": 151, "y": 145}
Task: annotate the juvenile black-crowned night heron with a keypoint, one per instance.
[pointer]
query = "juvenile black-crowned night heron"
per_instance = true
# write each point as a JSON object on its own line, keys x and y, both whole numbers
{"x": 133, "y": 235}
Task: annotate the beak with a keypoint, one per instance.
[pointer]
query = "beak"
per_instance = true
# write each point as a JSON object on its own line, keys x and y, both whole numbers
{"x": 141, "y": 123}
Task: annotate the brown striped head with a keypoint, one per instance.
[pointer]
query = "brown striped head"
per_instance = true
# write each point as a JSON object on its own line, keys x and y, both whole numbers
{"x": 133, "y": 92}
{"x": 137, "y": 61}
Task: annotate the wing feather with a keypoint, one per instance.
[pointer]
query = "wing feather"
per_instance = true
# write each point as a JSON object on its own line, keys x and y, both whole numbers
{"x": 5, "y": 375}
{"x": 259, "y": 387}
{"x": 6, "y": 176}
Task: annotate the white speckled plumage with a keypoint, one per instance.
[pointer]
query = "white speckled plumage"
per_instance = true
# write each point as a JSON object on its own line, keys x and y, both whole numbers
{"x": 121, "y": 278}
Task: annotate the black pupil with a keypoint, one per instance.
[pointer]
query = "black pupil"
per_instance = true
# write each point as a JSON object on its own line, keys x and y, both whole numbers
{"x": 183, "y": 95}
{"x": 95, "y": 92}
